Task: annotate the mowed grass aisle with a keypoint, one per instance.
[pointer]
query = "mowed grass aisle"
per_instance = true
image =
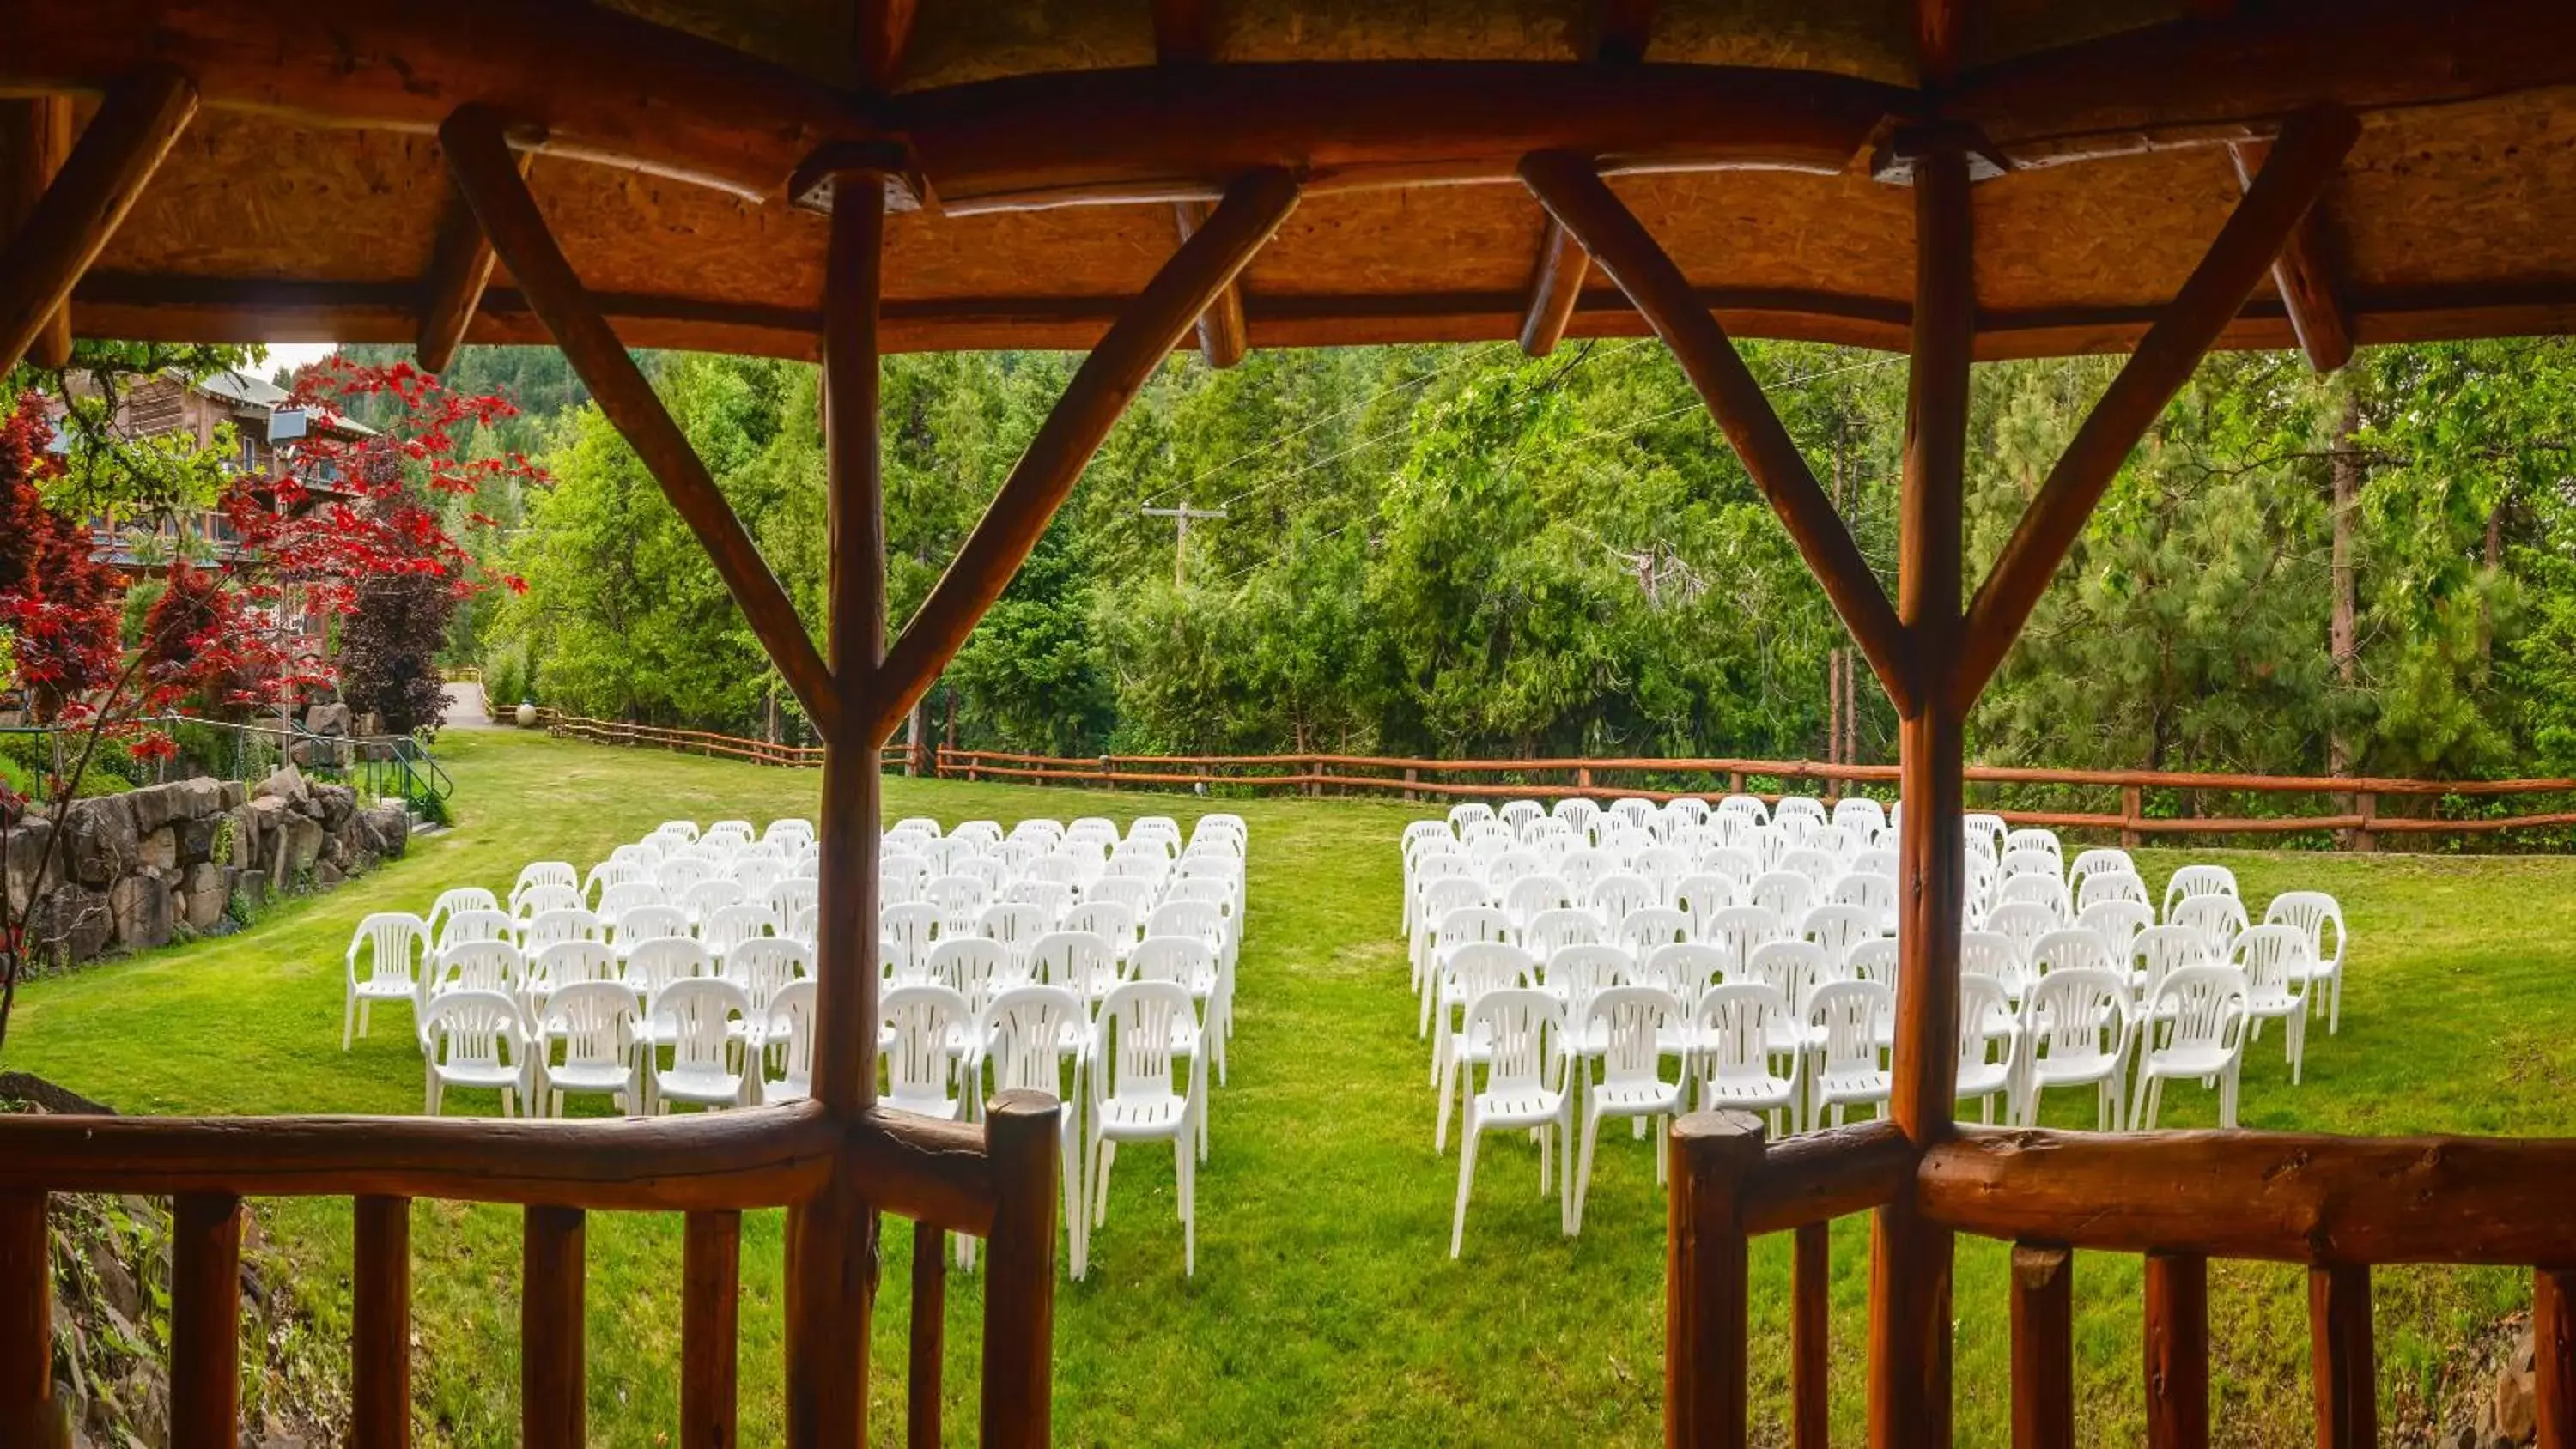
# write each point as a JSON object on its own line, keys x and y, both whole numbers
{"x": 1325, "y": 1309}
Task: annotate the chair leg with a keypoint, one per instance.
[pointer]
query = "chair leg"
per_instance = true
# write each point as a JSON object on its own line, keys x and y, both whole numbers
{"x": 1187, "y": 1171}
{"x": 348, "y": 1019}
{"x": 2334, "y": 1009}
{"x": 1581, "y": 1177}
{"x": 1466, "y": 1186}
{"x": 1440, "y": 1124}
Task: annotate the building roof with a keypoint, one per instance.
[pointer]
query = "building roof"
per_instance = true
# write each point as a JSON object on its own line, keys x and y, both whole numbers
{"x": 1052, "y": 138}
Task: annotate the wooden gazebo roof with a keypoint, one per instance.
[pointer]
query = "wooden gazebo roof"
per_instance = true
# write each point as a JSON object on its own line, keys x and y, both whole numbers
{"x": 1052, "y": 140}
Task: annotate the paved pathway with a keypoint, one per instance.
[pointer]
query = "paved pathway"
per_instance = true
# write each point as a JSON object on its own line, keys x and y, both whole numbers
{"x": 466, "y": 710}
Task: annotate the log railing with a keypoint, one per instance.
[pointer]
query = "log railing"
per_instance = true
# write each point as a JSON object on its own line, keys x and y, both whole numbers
{"x": 996, "y": 1181}
{"x": 2338, "y": 1205}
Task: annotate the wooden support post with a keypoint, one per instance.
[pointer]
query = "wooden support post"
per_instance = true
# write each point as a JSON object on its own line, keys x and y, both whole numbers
{"x": 2366, "y": 805}
{"x": 479, "y": 157}
{"x": 26, "y": 1320}
{"x": 551, "y": 1321}
{"x": 1810, "y": 1338}
{"x": 1107, "y": 381}
{"x": 1711, "y": 1155}
{"x": 2311, "y": 147}
{"x": 921, "y": 1391}
{"x": 66, "y": 230}
{"x": 1910, "y": 1258}
{"x": 2043, "y": 1347}
{"x": 832, "y": 1242}
{"x": 1224, "y": 337}
{"x": 2345, "y": 1367}
{"x": 1572, "y": 190}
{"x": 710, "y": 1335}
{"x": 380, "y": 1325}
{"x": 2133, "y": 808}
{"x": 205, "y": 1321}
{"x": 1021, "y": 1136}
{"x": 458, "y": 273}
{"x": 2303, "y": 274}
{"x": 35, "y": 137}
{"x": 1555, "y": 289}
{"x": 2177, "y": 1348}
{"x": 2553, "y": 1346}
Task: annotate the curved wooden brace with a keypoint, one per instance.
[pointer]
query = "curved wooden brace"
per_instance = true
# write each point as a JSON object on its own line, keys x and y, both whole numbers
{"x": 88, "y": 200}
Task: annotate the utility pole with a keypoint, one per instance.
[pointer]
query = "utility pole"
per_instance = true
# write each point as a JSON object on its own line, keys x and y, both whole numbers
{"x": 1181, "y": 517}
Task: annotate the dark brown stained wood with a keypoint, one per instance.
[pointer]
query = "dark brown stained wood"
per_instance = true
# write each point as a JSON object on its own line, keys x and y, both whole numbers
{"x": 26, "y": 1314}
{"x": 1573, "y": 192}
{"x": 1174, "y": 133}
{"x": 929, "y": 1338}
{"x": 710, "y": 1334}
{"x": 581, "y": 79}
{"x": 1222, "y": 335}
{"x": 1100, "y": 391}
{"x": 1555, "y": 288}
{"x": 2208, "y": 81}
{"x": 2553, "y": 1342}
{"x": 885, "y": 27}
{"x": 759, "y": 1158}
{"x": 57, "y": 238}
{"x": 1020, "y": 1272}
{"x": 2177, "y": 1351}
{"x": 2304, "y": 159}
{"x": 1626, "y": 28}
{"x": 2344, "y": 1368}
{"x": 1815, "y": 1177}
{"x": 551, "y": 1375}
{"x": 2303, "y": 274}
{"x": 1810, "y": 1338}
{"x": 1710, "y": 1156}
{"x": 35, "y": 136}
{"x": 1937, "y": 24}
{"x": 380, "y": 1325}
{"x": 205, "y": 1321}
{"x": 458, "y": 273}
{"x": 2288, "y": 1197}
{"x": 1184, "y": 31}
{"x": 479, "y": 156}
{"x": 2043, "y": 1347}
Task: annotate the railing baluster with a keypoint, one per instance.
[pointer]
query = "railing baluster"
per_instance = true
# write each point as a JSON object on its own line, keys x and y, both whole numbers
{"x": 1020, "y": 1135}
{"x": 929, "y": 1336}
{"x": 205, "y": 1321}
{"x": 710, "y": 1305}
{"x": 2177, "y": 1342}
{"x": 1810, "y": 1306}
{"x": 2043, "y": 1347}
{"x": 2553, "y": 1346}
{"x": 2346, "y": 1375}
{"x": 26, "y": 1318}
{"x": 1705, "y": 1288}
{"x": 380, "y": 1325}
{"x": 551, "y": 1410}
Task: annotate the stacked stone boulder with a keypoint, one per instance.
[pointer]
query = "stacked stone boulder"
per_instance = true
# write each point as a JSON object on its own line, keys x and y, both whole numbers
{"x": 135, "y": 869}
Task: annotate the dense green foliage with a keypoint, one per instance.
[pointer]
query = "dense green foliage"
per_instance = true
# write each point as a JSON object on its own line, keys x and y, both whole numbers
{"x": 1462, "y": 551}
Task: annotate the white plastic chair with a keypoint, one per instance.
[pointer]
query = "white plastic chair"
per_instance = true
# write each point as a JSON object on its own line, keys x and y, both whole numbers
{"x": 593, "y": 1023}
{"x": 1784, "y": 893}
{"x": 924, "y": 1038}
{"x": 2159, "y": 951}
{"x": 2219, "y": 919}
{"x": 2278, "y": 974}
{"x": 477, "y": 924}
{"x": 1037, "y": 1038}
{"x": 1848, "y": 1021}
{"x": 972, "y": 966}
{"x": 1989, "y": 1044}
{"x": 2315, "y": 912}
{"x": 396, "y": 944}
{"x": 530, "y": 901}
{"x": 704, "y": 1021}
{"x": 1144, "y": 1090}
{"x": 1524, "y": 1088}
{"x": 2198, "y": 880}
{"x": 562, "y": 965}
{"x": 1736, "y": 1025}
{"x": 460, "y": 898}
{"x": 1082, "y": 962}
{"x": 1994, "y": 956}
{"x": 763, "y": 966}
{"x": 477, "y": 966}
{"x": 2194, "y": 1030}
{"x": 550, "y": 928}
{"x": 632, "y": 930}
{"x": 2075, "y": 1033}
{"x": 1470, "y": 972}
{"x": 728, "y": 927}
{"x": 475, "y": 1039}
{"x": 1633, "y": 1024}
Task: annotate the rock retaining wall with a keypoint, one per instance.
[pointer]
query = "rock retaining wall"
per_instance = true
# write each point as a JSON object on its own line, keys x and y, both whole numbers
{"x": 135, "y": 869}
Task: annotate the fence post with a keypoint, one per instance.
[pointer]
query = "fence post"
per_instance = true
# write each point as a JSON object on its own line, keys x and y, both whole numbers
{"x": 1583, "y": 778}
{"x": 2365, "y": 839}
{"x": 1019, "y": 1276}
{"x": 1411, "y": 775}
{"x": 2132, "y": 810}
{"x": 1735, "y": 782}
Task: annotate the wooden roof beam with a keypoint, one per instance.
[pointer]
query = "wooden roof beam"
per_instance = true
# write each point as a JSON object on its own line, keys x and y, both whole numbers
{"x": 1106, "y": 383}
{"x": 1625, "y": 29}
{"x": 479, "y": 158}
{"x": 1937, "y": 27}
{"x": 459, "y": 271}
{"x": 1185, "y": 34}
{"x": 1574, "y": 193}
{"x": 2303, "y": 273}
{"x": 36, "y": 136}
{"x": 71, "y": 223}
{"x": 2310, "y": 150}
{"x": 885, "y": 29}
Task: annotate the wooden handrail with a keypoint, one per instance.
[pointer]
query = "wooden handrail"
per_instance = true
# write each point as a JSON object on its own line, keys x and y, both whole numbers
{"x": 1819, "y": 1176}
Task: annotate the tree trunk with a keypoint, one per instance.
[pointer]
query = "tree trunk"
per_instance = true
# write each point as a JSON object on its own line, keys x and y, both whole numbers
{"x": 915, "y": 731}
{"x": 2340, "y": 637}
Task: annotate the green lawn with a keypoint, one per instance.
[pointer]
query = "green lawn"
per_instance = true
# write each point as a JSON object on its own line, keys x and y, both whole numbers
{"x": 1325, "y": 1309}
